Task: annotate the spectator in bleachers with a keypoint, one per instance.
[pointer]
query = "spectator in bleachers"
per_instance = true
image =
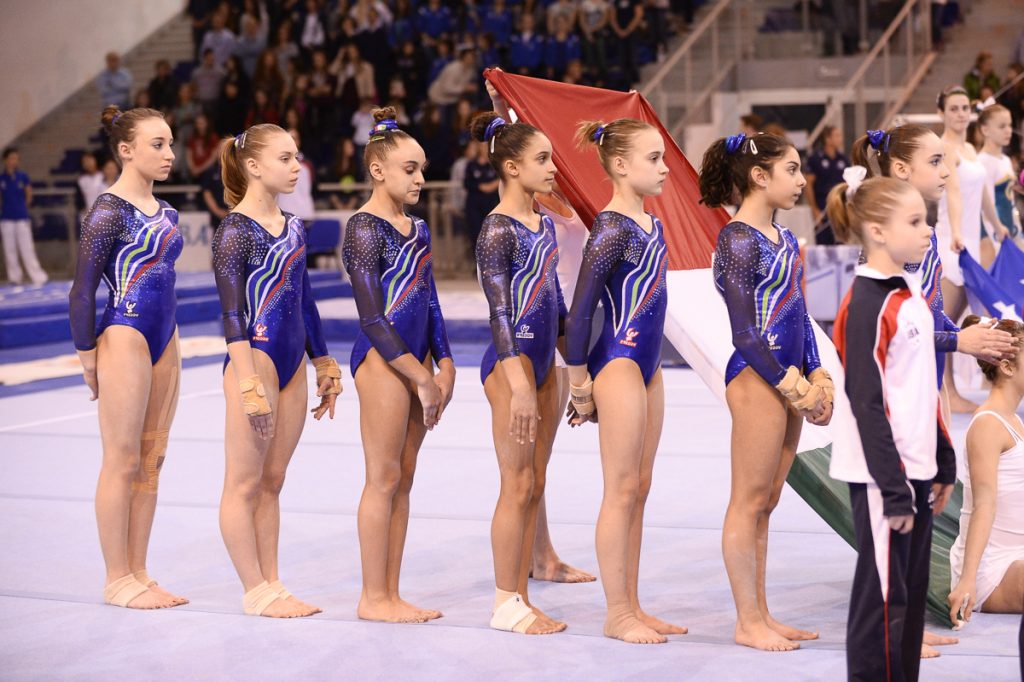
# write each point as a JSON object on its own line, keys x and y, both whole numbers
{"x": 442, "y": 57}
{"x": 347, "y": 171}
{"x": 481, "y": 183}
{"x": 457, "y": 79}
{"x": 561, "y": 48}
{"x": 561, "y": 8}
{"x": 434, "y": 20}
{"x": 411, "y": 68}
{"x": 201, "y": 151}
{"x": 526, "y": 48}
{"x": 231, "y": 110}
{"x": 15, "y": 223}
{"x": 626, "y": 18}
{"x": 234, "y": 73}
{"x": 115, "y": 83}
{"x": 355, "y": 77}
{"x": 90, "y": 184}
{"x": 403, "y": 24}
{"x": 499, "y": 22}
{"x": 487, "y": 51}
{"x": 252, "y": 40}
{"x": 142, "y": 100}
{"x": 375, "y": 51}
{"x": 313, "y": 35}
{"x": 1018, "y": 48}
{"x": 285, "y": 48}
{"x": 370, "y": 15}
{"x": 163, "y": 88}
{"x": 219, "y": 38}
{"x": 434, "y": 138}
{"x": 460, "y": 135}
{"x": 456, "y": 203}
{"x": 183, "y": 115}
{"x": 983, "y": 74}
{"x": 300, "y": 202}
{"x": 207, "y": 79}
{"x": 362, "y": 123}
{"x": 823, "y": 171}
{"x": 263, "y": 110}
{"x": 268, "y": 77}
{"x": 213, "y": 194}
{"x": 593, "y": 25}
{"x": 658, "y": 22}
{"x": 574, "y": 74}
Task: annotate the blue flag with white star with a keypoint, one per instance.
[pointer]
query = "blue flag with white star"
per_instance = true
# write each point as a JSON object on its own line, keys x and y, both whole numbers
{"x": 983, "y": 287}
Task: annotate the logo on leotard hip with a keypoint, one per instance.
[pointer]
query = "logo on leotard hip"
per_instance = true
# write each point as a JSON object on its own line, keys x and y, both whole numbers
{"x": 129, "y": 309}
{"x": 261, "y": 333}
{"x": 772, "y": 339}
{"x": 631, "y": 334}
{"x": 524, "y": 332}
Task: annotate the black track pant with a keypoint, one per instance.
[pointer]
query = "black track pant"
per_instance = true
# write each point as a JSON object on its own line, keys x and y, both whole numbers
{"x": 890, "y": 586}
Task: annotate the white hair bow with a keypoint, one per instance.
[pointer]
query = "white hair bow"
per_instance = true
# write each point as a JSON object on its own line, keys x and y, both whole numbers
{"x": 854, "y": 176}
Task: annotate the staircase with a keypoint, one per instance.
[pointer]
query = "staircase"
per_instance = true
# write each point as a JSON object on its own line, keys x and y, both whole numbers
{"x": 73, "y": 126}
{"x": 991, "y": 25}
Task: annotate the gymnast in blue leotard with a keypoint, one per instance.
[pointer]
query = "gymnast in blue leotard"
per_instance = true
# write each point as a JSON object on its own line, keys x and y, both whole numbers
{"x": 624, "y": 263}
{"x": 402, "y": 335}
{"x": 516, "y": 258}
{"x": 130, "y": 360}
{"x": 624, "y": 266}
{"x": 774, "y": 378}
{"x": 270, "y": 322}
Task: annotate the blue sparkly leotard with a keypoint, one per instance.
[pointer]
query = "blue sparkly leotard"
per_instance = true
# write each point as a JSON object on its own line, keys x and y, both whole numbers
{"x": 393, "y": 284}
{"x": 945, "y": 329}
{"x": 265, "y": 293}
{"x": 760, "y": 281}
{"x": 134, "y": 254}
{"x": 624, "y": 267}
{"x": 517, "y": 273}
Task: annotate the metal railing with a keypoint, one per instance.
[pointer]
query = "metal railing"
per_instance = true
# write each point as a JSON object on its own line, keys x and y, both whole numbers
{"x": 704, "y": 45}
{"x": 891, "y": 70}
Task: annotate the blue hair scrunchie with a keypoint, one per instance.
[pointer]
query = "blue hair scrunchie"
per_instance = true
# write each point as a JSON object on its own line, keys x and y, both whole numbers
{"x": 384, "y": 126}
{"x": 240, "y": 140}
{"x": 113, "y": 121}
{"x": 598, "y": 135}
{"x": 734, "y": 142}
{"x": 492, "y": 127}
{"x": 879, "y": 140}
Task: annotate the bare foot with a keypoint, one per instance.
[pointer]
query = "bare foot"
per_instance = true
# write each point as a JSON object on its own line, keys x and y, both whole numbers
{"x": 931, "y": 639}
{"x": 390, "y": 612}
{"x": 557, "y": 624}
{"x": 286, "y": 608}
{"x": 760, "y": 636}
{"x": 790, "y": 633}
{"x": 929, "y": 651}
{"x": 430, "y": 614}
{"x": 558, "y": 571}
{"x": 960, "y": 404}
{"x": 544, "y": 626}
{"x": 630, "y": 629}
{"x": 292, "y": 599}
{"x": 178, "y": 601}
{"x": 658, "y": 625}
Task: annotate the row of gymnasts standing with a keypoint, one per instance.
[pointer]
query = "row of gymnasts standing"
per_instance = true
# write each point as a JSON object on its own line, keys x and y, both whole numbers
{"x": 265, "y": 297}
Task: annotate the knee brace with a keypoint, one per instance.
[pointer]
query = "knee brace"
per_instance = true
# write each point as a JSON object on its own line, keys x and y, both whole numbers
{"x": 154, "y": 448}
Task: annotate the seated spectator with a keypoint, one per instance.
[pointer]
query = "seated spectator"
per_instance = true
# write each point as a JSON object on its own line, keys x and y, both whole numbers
{"x": 488, "y": 51}
{"x": 458, "y": 78}
{"x": 163, "y": 88}
{"x": 268, "y": 77}
{"x": 498, "y": 21}
{"x": 184, "y": 113}
{"x": 443, "y": 57}
{"x": 403, "y": 27}
{"x": 201, "y": 152}
{"x": 142, "y": 100}
{"x": 370, "y": 15}
{"x": 433, "y": 137}
{"x": 526, "y": 48}
{"x": 298, "y": 99}
{"x": 231, "y": 111}
{"x": 575, "y": 75}
{"x": 219, "y": 38}
{"x": 115, "y": 83}
{"x": 348, "y": 172}
{"x": 252, "y": 41}
{"x": 362, "y": 123}
{"x": 206, "y": 80}
{"x": 560, "y": 48}
{"x": 433, "y": 21}
{"x": 300, "y": 202}
{"x": 983, "y": 74}
{"x": 262, "y": 110}
{"x": 411, "y": 68}
{"x": 233, "y": 73}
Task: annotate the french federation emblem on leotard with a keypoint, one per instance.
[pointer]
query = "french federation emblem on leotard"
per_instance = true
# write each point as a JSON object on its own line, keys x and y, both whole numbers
{"x": 524, "y": 332}
{"x": 773, "y": 341}
{"x": 129, "y": 309}
{"x": 631, "y": 334}
{"x": 261, "y": 333}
